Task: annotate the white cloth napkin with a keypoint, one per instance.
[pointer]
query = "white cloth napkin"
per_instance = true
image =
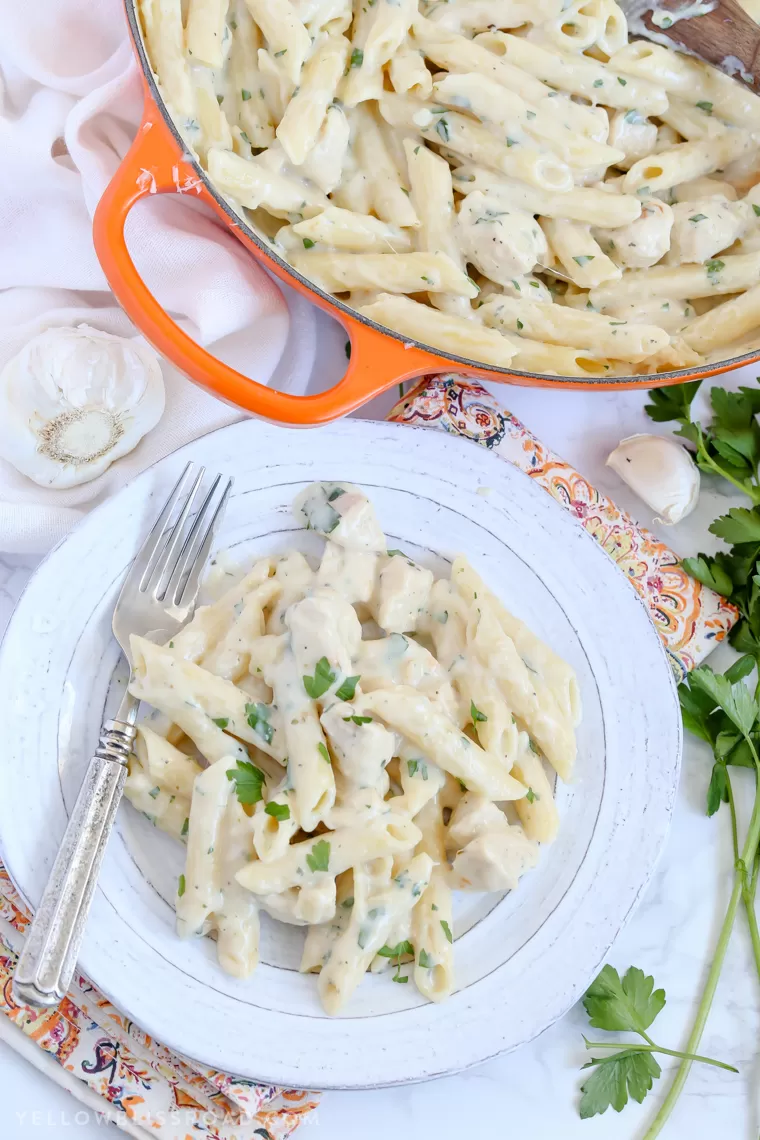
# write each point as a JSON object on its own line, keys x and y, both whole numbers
{"x": 70, "y": 103}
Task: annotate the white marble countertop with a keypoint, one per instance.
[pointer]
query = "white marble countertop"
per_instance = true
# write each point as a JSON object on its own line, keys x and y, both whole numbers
{"x": 533, "y": 1093}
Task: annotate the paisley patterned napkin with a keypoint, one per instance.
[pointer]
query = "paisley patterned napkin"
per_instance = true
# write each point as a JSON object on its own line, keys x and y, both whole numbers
{"x": 120, "y": 1073}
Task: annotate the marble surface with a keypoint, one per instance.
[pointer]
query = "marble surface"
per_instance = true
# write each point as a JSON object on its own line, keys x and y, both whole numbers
{"x": 533, "y": 1093}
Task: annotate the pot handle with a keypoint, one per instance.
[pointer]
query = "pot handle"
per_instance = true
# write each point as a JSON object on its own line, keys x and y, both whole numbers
{"x": 153, "y": 166}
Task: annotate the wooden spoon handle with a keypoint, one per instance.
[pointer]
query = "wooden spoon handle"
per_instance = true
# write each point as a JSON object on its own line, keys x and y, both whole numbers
{"x": 726, "y": 37}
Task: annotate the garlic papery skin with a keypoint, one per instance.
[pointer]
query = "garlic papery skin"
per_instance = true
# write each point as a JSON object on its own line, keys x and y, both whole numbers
{"x": 661, "y": 472}
{"x": 73, "y": 401}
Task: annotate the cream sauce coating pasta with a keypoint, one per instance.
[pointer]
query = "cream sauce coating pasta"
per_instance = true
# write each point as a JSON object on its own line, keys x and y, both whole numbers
{"x": 341, "y": 744}
{"x": 416, "y": 159}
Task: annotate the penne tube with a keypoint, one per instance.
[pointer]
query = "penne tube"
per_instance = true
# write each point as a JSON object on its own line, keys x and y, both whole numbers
{"x": 558, "y": 360}
{"x": 252, "y": 184}
{"x": 305, "y": 863}
{"x": 387, "y": 193}
{"x": 509, "y": 114}
{"x": 685, "y": 162}
{"x": 581, "y": 204}
{"x": 579, "y": 253}
{"x": 731, "y": 273}
{"x": 304, "y": 115}
{"x": 578, "y": 75}
{"x": 396, "y": 273}
{"x": 349, "y": 231}
{"x": 381, "y": 34}
{"x": 204, "y": 31}
{"x": 737, "y": 317}
{"x": 692, "y": 80}
{"x": 287, "y": 38}
{"x": 433, "y": 198}
{"x": 577, "y": 328}
{"x": 457, "y": 335}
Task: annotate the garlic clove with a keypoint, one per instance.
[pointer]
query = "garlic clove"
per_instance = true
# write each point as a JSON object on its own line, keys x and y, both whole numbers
{"x": 73, "y": 401}
{"x": 661, "y": 472}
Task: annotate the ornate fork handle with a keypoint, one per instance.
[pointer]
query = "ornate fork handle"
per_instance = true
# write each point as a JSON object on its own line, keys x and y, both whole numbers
{"x": 47, "y": 962}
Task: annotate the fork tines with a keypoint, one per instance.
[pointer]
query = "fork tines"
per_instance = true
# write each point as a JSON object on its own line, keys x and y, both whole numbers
{"x": 174, "y": 553}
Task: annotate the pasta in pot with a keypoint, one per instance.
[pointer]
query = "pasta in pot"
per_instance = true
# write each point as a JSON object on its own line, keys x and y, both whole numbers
{"x": 423, "y": 158}
{"x": 344, "y": 780}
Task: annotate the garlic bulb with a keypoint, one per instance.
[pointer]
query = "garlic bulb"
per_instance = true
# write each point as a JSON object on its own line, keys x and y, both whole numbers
{"x": 661, "y": 472}
{"x": 74, "y": 400}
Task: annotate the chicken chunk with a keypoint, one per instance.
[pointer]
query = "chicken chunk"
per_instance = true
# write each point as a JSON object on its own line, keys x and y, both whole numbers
{"x": 501, "y": 241}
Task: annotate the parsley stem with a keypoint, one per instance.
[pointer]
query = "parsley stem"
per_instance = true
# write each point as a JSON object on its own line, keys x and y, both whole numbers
{"x": 747, "y": 857}
{"x": 752, "y": 492}
{"x": 732, "y": 806}
{"x": 659, "y": 1049}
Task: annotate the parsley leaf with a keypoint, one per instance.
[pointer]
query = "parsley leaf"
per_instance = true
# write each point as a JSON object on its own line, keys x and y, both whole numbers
{"x": 583, "y": 258}
{"x": 396, "y": 951}
{"x": 257, "y": 716}
{"x": 698, "y": 218}
{"x": 319, "y": 858}
{"x": 475, "y": 714}
{"x": 359, "y": 719}
{"x": 322, "y": 750}
{"x": 425, "y": 960}
{"x": 628, "y": 1073}
{"x": 531, "y": 796}
{"x": 446, "y": 930}
{"x": 442, "y": 129}
{"x": 735, "y": 699}
{"x": 181, "y": 886}
{"x": 185, "y": 827}
{"x": 357, "y": 58}
{"x": 277, "y": 811}
{"x": 347, "y": 690}
{"x": 221, "y": 721}
{"x": 318, "y": 685}
{"x": 308, "y": 243}
{"x": 705, "y": 106}
{"x": 248, "y": 781}
{"x": 629, "y": 1004}
{"x": 245, "y": 95}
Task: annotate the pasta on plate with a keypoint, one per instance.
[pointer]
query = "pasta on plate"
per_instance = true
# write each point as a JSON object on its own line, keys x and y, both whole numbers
{"x": 344, "y": 747}
{"x": 508, "y": 181}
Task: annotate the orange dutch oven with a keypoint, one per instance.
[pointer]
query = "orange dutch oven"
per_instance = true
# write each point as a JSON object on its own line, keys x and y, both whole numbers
{"x": 158, "y": 163}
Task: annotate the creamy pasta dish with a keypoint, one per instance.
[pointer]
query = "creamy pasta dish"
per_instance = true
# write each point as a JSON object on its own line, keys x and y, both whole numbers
{"x": 510, "y": 181}
{"x": 343, "y": 747}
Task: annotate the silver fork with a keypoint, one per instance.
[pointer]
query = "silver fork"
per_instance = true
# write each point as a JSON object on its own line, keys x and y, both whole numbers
{"x": 158, "y": 596}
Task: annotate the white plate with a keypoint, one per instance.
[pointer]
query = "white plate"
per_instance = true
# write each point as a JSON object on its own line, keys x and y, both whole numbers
{"x": 521, "y": 961}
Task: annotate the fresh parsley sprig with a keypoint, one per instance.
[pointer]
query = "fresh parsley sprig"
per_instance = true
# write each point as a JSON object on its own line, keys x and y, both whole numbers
{"x": 625, "y": 1005}
{"x": 729, "y": 447}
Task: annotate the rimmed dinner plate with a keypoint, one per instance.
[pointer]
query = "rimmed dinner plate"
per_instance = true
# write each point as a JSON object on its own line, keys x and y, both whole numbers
{"x": 521, "y": 960}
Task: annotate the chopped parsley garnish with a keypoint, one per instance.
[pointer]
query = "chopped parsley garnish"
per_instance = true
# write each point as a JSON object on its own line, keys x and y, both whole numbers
{"x": 319, "y": 857}
{"x": 531, "y": 796}
{"x": 511, "y": 142}
{"x": 442, "y": 129}
{"x": 277, "y": 811}
{"x": 520, "y": 325}
{"x": 705, "y": 106}
{"x": 308, "y": 243}
{"x": 248, "y": 781}
{"x": 245, "y": 95}
{"x": 598, "y": 83}
{"x": 622, "y": 82}
{"x": 348, "y": 903}
{"x": 154, "y": 792}
{"x": 357, "y": 58}
{"x": 347, "y": 690}
{"x": 714, "y": 267}
{"x": 393, "y": 553}
{"x": 181, "y": 886}
{"x": 446, "y": 930}
{"x": 756, "y": 209}
{"x": 476, "y": 714}
{"x": 257, "y": 716}
{"x": 530, "y": 114}
{"x": 425, "y": 960}
{"x": 221, "y": 721}
{"x": 698, "y": 218}
{"x": 318, "y": 685}
{"x": 322, "y": 750}
{"x": 277, "y": 54}
{"x": 415, "y": 766}
{"x": 185, "y": 827}
{"x": 583, "y": 259}
{"x": 359, "y": 719}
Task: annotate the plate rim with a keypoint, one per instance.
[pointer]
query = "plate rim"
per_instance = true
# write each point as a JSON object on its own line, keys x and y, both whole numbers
{"x": 445, "y": 440}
